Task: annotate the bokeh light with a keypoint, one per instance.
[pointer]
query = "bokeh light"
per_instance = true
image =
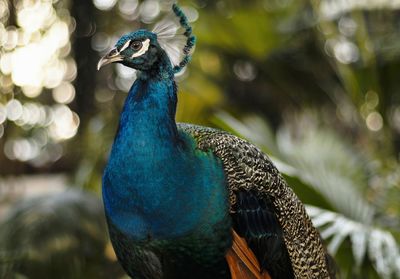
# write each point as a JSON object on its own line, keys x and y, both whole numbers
{"x": 128, "y": 8}
{"x": 34, "y": 57}
{"x": 65, "y": 123}
{"x": 104, "y": 4}
{"x": 374, "y": 121}
{"x": 14, "y": 110}
{"x": 64, "y": 93}
{"x": 346, "y": 52}
{"x": 245, "y": 71}
{"x": 331, "y": 9}
{"x": 347, "y": 26}
{"x": 191, "y": 13}
{"x": 149, "y": 10}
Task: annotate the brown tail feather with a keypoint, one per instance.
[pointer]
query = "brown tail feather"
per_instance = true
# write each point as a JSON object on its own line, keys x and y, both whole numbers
{"x": 242, "y": 262}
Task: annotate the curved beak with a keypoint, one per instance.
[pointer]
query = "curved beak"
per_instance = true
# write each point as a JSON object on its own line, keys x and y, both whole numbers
{"x": 111, "y": 57}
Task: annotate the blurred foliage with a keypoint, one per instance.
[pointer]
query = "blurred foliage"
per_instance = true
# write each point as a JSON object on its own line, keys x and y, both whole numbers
{"x": 42, "y": 236}
{"x": 319, "y": 79}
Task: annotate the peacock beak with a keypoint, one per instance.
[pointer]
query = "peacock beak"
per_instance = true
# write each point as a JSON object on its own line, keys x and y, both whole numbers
{"x": 111, "y": 57}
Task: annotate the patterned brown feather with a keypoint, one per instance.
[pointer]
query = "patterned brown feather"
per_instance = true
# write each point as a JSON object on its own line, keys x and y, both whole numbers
{"x": 247, "y": 168}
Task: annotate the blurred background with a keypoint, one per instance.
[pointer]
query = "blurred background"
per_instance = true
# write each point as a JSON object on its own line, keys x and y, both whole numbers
{"x": 314, "y": 83}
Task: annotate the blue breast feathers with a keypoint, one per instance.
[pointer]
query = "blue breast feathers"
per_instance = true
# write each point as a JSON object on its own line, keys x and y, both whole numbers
{"x": 156, "y": 183}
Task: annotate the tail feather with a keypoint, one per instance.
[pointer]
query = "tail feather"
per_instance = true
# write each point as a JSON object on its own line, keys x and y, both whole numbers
{"x": 242, "y": 262}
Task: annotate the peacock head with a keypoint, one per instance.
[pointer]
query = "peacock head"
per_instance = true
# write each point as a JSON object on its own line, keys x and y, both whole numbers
{"x": 143, "y": 50}
{"x": 139, "y": 50}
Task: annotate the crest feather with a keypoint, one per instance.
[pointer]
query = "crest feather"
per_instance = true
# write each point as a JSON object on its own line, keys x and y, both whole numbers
{"x": 176, "y": 42}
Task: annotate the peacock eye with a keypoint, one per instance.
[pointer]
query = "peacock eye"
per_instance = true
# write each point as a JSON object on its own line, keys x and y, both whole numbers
{"x": 136, "y": 45}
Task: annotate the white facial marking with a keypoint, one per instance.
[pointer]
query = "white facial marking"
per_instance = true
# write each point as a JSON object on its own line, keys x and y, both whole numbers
{"x": 143, "y": 50}
{"x": 125, "y": 45}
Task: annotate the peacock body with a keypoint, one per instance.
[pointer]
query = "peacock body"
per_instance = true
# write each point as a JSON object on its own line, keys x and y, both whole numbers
{"x": 173, "y": 192}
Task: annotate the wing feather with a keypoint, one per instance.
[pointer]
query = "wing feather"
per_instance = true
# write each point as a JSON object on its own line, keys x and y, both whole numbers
{"x": 248, "y": 169}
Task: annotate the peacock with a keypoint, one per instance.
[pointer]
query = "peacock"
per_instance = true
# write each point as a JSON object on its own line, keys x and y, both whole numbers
{"x": 186, "y": 201}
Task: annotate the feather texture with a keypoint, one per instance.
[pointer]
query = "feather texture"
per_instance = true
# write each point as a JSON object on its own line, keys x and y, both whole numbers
{"x": 247, "y": 168}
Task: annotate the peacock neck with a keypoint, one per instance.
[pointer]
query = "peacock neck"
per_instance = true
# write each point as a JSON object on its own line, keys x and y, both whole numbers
{"x": 147, "y": 121}
{"x": 148, "y": 118}
{"x": 156, "y": 184}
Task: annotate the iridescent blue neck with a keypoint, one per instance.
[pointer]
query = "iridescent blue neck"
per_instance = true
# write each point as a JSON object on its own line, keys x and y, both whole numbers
{"x": 156, "y": 183}
{"x": 149, "y": 113}
{"x": 148, "y": 117}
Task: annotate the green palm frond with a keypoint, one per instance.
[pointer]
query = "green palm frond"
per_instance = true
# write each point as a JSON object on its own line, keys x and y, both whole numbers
{"x": 379, "y": 245}
{"x": 330, "y": 167}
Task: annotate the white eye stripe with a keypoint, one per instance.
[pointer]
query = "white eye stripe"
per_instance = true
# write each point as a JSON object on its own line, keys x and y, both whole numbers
{"x": 125, "y": 46}
{"x": 143, "y": 50}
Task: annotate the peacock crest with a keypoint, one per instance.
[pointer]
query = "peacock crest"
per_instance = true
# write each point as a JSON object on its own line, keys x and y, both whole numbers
{"x": 177, "y": 43}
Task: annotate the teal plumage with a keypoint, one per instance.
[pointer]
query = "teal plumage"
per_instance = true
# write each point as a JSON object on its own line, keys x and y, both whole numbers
{"x": 173, "y": 192}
